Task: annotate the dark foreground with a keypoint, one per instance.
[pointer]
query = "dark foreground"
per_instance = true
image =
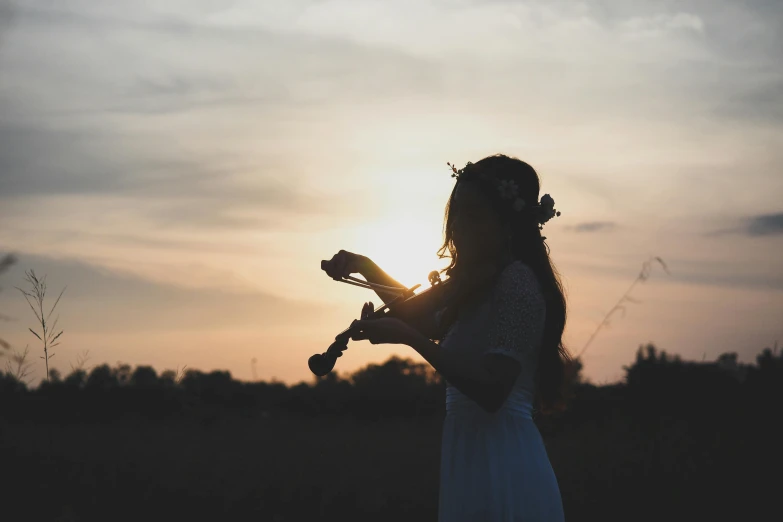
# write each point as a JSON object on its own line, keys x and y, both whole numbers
{"x": 652, "y": 449}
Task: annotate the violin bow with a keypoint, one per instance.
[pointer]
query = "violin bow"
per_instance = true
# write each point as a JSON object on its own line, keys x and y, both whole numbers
{"x": 373, "y": 286}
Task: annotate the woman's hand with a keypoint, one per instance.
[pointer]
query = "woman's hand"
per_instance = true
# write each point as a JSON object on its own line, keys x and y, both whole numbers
{"x": 385, "y": 330}
{"x": 345, "y": 263}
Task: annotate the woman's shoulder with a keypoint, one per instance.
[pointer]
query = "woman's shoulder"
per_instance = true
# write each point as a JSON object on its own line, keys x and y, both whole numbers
{"x": 518, "y": 277}
{"x": 516, "y": 270}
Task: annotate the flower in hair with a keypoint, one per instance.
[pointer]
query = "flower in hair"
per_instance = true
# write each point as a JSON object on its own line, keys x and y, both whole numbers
{"x": 542, "y": 211}
{"x": 508, "y": 189}
{"x": 456, "y": 173}
{"x": 546, "y": 210}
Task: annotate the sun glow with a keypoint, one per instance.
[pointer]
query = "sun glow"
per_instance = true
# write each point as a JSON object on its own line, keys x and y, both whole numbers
{"x": 404, "y": 247}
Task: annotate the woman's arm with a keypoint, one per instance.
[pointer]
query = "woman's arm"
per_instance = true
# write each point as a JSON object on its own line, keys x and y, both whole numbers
{"x": 488, "y": 376}
{"x": 373, "y": 274}
{"x": 487, "y": 381}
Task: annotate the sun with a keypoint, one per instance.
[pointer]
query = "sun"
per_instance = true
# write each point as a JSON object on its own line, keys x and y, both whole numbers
{"x": 405, "y": 247}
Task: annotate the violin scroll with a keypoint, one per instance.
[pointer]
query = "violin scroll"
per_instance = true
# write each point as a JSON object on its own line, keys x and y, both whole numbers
{"x": 322, "y": 363}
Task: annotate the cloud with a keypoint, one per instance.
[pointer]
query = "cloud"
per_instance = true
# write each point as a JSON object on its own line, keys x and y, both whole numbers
{"x": 653, "y": 25}
{"x": 167, "y": 188}
{"x": 761, "y": 102}
{"x": 6, "y": 17}
{"x": 765, "y": 225}
{"x": 723, "y": 272}
{"x": 98, "y": 299}
{"x": 195, "y": 125}
{"x": 184, "y": 60}
{"x": 755, "y": 226}
{"x": 593, "y": 226}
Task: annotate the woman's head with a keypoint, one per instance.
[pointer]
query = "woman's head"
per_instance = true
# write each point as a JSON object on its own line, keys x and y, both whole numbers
{"x": 492, "y": 210}
{"x": 494, "y": 216}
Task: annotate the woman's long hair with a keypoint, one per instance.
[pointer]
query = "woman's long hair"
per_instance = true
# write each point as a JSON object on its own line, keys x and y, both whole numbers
{"x": 528, "y": 246}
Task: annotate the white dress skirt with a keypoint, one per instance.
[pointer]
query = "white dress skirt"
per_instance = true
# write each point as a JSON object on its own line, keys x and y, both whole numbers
{"x": 494, "y": 466}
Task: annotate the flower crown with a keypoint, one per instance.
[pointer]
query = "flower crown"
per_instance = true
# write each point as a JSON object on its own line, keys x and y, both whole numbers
{"x": 543, "y": 211}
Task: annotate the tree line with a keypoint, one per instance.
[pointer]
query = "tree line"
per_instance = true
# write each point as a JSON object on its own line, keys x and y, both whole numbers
{"x": 655, "y": 383}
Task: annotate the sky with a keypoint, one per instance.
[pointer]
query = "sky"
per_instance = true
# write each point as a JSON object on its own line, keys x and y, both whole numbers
{"x": 183, "y": 166}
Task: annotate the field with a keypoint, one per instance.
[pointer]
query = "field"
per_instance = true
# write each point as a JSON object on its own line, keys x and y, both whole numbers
{"x": 329, "y": 468}
{"x": 701, "y": 446}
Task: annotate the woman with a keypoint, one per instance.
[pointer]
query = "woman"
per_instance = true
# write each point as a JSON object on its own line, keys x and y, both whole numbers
{"x": 499, "y": 344}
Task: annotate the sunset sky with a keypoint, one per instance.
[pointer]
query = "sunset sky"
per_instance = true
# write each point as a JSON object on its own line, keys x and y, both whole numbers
{"x": 183, "y": 166}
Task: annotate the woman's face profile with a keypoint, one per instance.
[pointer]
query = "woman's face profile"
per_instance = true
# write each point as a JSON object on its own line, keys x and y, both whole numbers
{"x": 477, "y": 231}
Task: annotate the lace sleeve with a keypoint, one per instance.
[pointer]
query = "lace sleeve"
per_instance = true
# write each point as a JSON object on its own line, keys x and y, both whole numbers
{"x": 518, "y": 314}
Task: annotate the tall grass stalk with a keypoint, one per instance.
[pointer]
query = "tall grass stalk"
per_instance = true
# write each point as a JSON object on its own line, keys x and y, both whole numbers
{"x": 179, "y": 375}
{"x": 80, "y": 361}
{"x": 626, "y": 298}
{"x": 35, "y": 297}
{"x": 22, "y": 369}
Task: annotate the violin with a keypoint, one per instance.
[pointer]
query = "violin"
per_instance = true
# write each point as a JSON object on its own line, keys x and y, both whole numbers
{"x": 406, "y": 306}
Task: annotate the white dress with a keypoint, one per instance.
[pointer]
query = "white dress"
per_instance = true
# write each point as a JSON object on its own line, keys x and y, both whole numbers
{"x": 494, "y": 466}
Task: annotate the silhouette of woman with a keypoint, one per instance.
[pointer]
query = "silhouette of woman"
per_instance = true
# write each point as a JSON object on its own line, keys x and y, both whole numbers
{"x": 498, "y": 348}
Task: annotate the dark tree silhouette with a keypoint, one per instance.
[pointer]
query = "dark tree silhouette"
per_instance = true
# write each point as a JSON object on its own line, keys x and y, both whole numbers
{"x": 677, "y": 440}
